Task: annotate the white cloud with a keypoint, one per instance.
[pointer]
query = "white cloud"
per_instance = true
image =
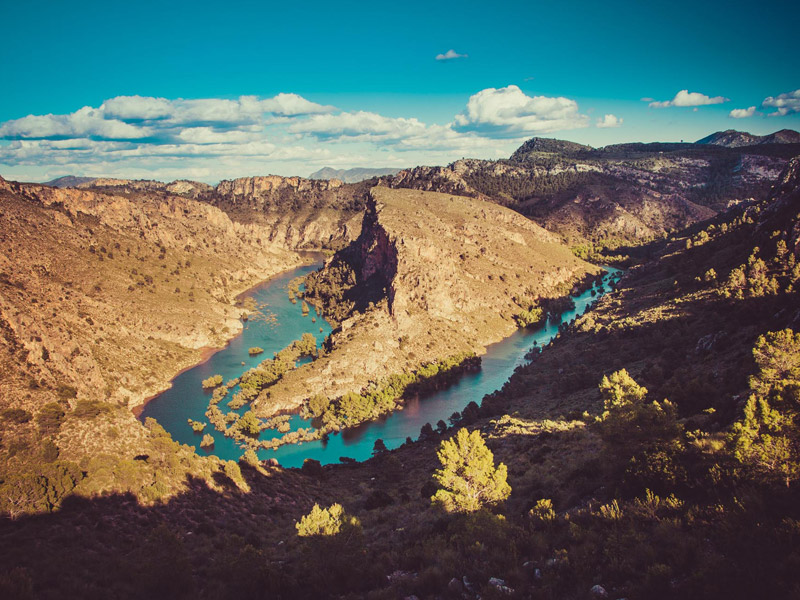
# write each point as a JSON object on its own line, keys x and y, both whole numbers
{"x": 162, "y": 120}
{"x": 509, "y": 113}
{"x": 87, "y": 122}
{"x": 785, "y": 104}
{"x": 292, "y": 105}
{"x": 742, "y": 113}
{"x": 687, "y": 98}
{"x": 360, "y": 125}
{"x": 450, "y": 55}
{"x": 137, "y": 108}
{"x": 609, "y": 121}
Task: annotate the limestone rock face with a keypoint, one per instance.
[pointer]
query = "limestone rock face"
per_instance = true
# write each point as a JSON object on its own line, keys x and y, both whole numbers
{"x": 263, "y": 189}
{"x": 292, "y": 212}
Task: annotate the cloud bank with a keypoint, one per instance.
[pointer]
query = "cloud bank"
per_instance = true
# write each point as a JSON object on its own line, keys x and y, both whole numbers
{"x": 785, "y": 104}
{"x": 213, "y": 138}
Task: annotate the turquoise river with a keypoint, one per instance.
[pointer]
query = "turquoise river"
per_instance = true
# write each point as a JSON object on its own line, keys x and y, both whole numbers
{"x": 187, "y": 400}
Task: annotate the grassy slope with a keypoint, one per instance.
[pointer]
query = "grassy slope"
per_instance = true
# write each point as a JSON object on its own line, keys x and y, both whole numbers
{"x": 102, "y": 300}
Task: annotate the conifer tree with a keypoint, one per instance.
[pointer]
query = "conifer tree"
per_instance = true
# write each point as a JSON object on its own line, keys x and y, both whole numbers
{"x": 468, "y": 477}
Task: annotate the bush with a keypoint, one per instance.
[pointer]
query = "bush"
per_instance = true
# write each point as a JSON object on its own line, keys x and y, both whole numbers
{"x": 327, "y": 522}
{"x": 49, "y": 451}
{"x": 766, "y": 439}
{"x": 312, "y": 468}
{"x": 530, "y": 317}
{"x": 197, "y": 426}
{"x": 379, "y": 447}
{"x": 66, "y": 392}
{"x": 234, "y": 473}
{"x": 89, "y": 409}
{"x": 50, "y": 417}
{"x": 212, "y": 382}
{"x": 16, "y": 415}
{"x": 629, "y": 422}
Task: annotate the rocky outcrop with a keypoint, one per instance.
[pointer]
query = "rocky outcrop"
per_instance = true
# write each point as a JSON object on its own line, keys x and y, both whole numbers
{"x": 272, "y": 190}
{"x": 431, "y": 275}
{"x": 295, "y": 213}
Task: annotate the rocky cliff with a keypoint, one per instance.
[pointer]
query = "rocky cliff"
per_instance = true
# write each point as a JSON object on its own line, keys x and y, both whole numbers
{"x": 296, "y": 213}
{"x": 430, "y": 275}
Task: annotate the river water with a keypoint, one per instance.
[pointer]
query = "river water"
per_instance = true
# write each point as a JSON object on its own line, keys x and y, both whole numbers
{"x": 187, "y": 400}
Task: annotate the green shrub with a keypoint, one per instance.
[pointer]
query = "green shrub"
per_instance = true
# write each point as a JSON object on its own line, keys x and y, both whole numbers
{"x": 89, "y": 409}
{"x": 50, "y": 417}
{"x": 16, "y": 415}
{"x": 197, "y": 426}
{"x": 212, "y": 382}
{"x": 327, "y": 522}
{"x": 530, "y": 317}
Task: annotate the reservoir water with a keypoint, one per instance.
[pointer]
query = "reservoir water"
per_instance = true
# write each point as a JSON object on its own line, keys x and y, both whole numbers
{"x": 187, "y": 400}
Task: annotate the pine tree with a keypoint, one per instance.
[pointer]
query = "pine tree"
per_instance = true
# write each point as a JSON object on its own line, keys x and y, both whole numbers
{"x": 468, "y": 477}
{"x": 766, "y": 439}
{"x": 629, "y": 420}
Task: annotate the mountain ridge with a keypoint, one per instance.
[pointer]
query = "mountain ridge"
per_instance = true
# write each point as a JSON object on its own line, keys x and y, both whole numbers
{"x": 354, "y": 175}
{"x": 731, "y": 138}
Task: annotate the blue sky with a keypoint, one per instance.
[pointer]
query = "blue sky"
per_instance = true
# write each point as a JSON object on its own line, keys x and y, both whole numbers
{"x": 212, "y": 90}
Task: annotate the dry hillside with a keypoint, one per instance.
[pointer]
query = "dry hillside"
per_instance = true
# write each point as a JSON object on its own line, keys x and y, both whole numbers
{"x": 431, "y": 275}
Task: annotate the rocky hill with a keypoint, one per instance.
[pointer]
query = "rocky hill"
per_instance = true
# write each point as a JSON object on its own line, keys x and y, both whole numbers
{"x": 431, "y": 275}
{"x": 535, "y": 146}
{"x": 620, "y": 194}
{"x": 731, "y": 138}
{"x": 68, "y": 181}
{"x": 352, "y": 175}
{"x": 112, "y": 295}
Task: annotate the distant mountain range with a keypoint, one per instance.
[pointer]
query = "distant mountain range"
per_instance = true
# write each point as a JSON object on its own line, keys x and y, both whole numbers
{"x": 736, "y": 139}
{"x": 68, "y": 181}
{"x": 352, "y": 175}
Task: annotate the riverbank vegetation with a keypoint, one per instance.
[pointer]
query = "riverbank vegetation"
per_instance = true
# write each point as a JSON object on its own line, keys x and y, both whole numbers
{"x": 384, "y": 396}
